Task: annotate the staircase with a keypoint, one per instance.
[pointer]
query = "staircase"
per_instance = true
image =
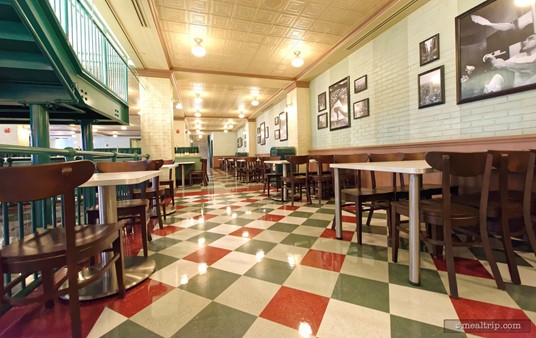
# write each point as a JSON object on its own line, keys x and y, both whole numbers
{"x": 52, "y": 55}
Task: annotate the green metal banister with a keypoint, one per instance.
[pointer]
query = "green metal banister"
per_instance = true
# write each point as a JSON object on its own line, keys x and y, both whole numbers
{"x": 69, "y": 153}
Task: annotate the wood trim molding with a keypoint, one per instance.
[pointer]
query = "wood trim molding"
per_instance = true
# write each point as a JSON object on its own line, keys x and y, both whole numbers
{"x": 161, "y": 73}
{"x": 462, "y": 145}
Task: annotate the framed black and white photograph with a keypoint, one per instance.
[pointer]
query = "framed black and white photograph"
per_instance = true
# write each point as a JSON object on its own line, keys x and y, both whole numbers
{"x": 276, "y": 134}
{"x": 258, "y": 130}
{"x": 495, "y": 50}
{"x": 258, "y": 139}
{"x": 322, "y": 121}
{"x": 283, "y": 126}
{"x": 239, "y": 142}
{"x": 431, "y": 87}
{"x": 339, "y": 104}
{"x": 276, "y": 120}
{"x": 263, "y": 134}
{"x": 322, "y": 101}
{"x": 429, "y": 50}
{"x": 360, "y": 84}
{"x": 267, "y": 132}
{"x": 361, "y": 108}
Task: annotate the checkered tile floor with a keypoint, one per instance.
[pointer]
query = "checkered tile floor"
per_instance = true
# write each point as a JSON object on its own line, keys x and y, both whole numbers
{"x": 231, "y": 262}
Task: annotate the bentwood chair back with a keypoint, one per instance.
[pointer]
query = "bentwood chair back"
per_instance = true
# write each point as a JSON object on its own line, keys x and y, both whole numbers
{"x": 132, "y": 208}
{"x": 461, "y": 224}
{"x": 202, "y": 174}
{"x": 296, "y": 179}
{"x": 268, "y": 174}
{"x": 373, "y": 198}
{"x": 350, "y": 178}
{"x": 169, "y": 184}
{"x": 155, "y": 194}
{"x": 48, "y": 251}
{"x": 320, "y": 176}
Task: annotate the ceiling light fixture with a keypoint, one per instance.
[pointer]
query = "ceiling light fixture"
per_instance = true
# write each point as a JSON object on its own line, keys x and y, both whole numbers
{"x": 297, "y": 61}
{"x": 255, "y": 102}
{"x": 198, "y": 50}
{"x": 225, "y": 131}
{"x": 198, "y": 100}
{"x": 197, "y": 114}
{"x": 178, "y": 105}
{"x": 241, "y": 115}
{"x": 124, "y": 128}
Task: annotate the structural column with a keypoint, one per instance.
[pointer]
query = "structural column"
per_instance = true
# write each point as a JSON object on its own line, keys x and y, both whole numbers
{"x": 299, "y": 118}
{"x": 156, "y": 120}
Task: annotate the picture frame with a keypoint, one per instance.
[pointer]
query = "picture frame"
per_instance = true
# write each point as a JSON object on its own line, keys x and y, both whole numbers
{"x": 491, "y": 59}
{"x": 245, "y": 144}
{"x": 262, "y": 133}
{"x": 322, "y": 101}
{"x": 360, "y": 84}
{"x": 276, "y": 134}
{"x": 361, "y": 108}
{"x": 276, "y": 120}
{"x": 258, "y": 139}
{"x": 283, "y": 126}
{"x": 339, "y": 104}
{"x": 429, "y": 50}
{"x": 267, "y": 132}
{"x": 431, "y": 86}
{"x": 322, "y": 121}
{"x": 239, "y": 142}
{"x": 258, "y": 130}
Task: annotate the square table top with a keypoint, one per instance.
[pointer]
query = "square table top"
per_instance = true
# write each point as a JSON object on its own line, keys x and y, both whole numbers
{"x": 119, "y": 178}
{"x": 404, "y": 167}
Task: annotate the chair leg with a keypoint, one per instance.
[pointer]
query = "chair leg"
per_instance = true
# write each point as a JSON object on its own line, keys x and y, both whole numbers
{"x": 74, "y": 301}
{"x": 117, "y": 246}
{"x": 395, "y": 234}
{"x": 491, "y": 259}
{"x": 371, "y": 212}
{"x": 359, "y": 222}
{"x": 509, "y": 250}
{"x": 449, "y": 257}
{"x": 145, "y": 232}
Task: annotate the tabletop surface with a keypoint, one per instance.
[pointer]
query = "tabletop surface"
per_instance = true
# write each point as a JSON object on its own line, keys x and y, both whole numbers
{"x": 169, "y": 166}
{"x": 184, "y": 162}
{"x": 405, "y": 167}
{"x": 276, "y": 162}
{"x": 130, "y": 177}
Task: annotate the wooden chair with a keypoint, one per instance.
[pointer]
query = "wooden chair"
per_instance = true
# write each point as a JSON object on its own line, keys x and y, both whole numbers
{"x": 373, "y": 198}
{"x": 268, "y": 175}
{"x": 49, "y": 250}
{"x": 509, "y": 203}
{"x": 349, "y": 178}
{"x": 202, "y": 174}
{"x": 155, "y": 194}
{"x": 169, "y": 184}
{"x": 462, "y": 225}
{"x": 131, "y": 208}
{"x": 296, "y": 178}
{"x": 321, "y": 177}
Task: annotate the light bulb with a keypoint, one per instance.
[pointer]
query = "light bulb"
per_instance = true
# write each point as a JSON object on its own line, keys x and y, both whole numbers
{"x": 197, "y": 99}
{"x": 297, "y": 61}
{"x": 255, "y": 102}
{"x": 178, "y": 105}
{"x": 197, "y": 114}
{"x": 198, "y": 50}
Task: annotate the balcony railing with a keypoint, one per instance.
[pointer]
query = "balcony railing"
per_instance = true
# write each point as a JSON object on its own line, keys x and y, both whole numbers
{"x": 95, "y": 52}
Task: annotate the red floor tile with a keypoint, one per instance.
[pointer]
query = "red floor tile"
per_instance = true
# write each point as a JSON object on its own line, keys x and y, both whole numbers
{"x": 346, "y": 235}
{"x": 139, "y": 297}
{"x": 271, "y": 218}
{"x": 465, "y": 266}
{"x": 250, "y": 200}
{"x": 323, "y": 260}
{"x": 289, "y": 207}
{"x": 348, "y": 219}
{"x": 291, "y": 307}
{"x": 166, "y": 230}
{"x": 475, "y": 312}
{"x": 246, "y": 232}
{"x": 208, "y": 254}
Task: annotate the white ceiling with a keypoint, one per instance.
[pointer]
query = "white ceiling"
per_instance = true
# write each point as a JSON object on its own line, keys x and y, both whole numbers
{"x": 249, "y": 44}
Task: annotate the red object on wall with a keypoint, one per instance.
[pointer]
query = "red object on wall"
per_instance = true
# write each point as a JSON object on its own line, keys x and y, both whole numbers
{"x": 7, "y": 130}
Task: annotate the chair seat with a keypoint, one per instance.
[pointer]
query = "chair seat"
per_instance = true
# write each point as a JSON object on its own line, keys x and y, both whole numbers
{"x": 150, "y": 191}
{"x": 44, "y": 244}
{"x": 375, "y": 194}
{"x": 431, "y": 211}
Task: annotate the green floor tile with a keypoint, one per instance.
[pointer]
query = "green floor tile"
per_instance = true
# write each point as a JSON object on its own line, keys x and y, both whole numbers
{"x": 301, "y": 214}
{"x": 368, "y": 251}
{"x": 299, "y": 240}
{"x": 130, "y": 329}
{"x": 205, "y": 226}
{"x": 375, "y": 229}
{"x": 361, "y": 291}
{"x": 162, "y": 260}
{"x": 523, "y": 295}
{"x": 403, "y": 328}
{"x": 239, "y": 221}
{"x": 283, "y": 227}
{"x": 161, "y": 243}
{"x": 430, "y": 280}
{"x": 326, "y": 211}
{"x": 262, "y": 210}
{"x": 317, "y": 223}
{"x": 209, "y": 237}
{"x": 270, "y": 270}
{"x": 499, "y": 256}
{"x": 253, "y": 246}
{"x": 211, "y": 283}
{"x": 210, "y": 323}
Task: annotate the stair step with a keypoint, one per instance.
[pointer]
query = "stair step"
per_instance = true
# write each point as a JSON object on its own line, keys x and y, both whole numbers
{"x": 14, "y": 37}
{"x": 30, "y": 61}
{"x": 7, "y": 13}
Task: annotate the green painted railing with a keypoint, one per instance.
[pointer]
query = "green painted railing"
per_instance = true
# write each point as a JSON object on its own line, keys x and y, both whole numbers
{"x": 94, "y": 50}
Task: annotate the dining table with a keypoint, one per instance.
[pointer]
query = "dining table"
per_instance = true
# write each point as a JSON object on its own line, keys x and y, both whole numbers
{"x": 415, "y": 170}
{"x": 137, "y": 268}
{"x": 183, "y": 164}
{"x": 284, "y": 164}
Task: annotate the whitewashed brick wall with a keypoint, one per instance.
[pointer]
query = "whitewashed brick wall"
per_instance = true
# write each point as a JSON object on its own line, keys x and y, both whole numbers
{"x": 391, "y": 64}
